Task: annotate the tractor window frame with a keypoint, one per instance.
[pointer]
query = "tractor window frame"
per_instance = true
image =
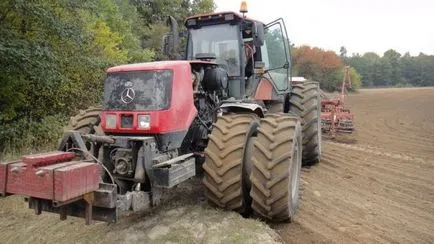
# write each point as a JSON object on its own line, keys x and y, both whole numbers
{"x": 233, "y": 59}
{"x": 281, "y": 73}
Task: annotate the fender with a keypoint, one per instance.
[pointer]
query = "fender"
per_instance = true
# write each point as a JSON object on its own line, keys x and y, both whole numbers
{"x": 244, "y": 107}
{"x": 264, "y": 90}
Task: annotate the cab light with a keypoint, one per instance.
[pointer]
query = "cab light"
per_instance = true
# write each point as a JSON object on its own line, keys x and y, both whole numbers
{"x": 243, "y": 7}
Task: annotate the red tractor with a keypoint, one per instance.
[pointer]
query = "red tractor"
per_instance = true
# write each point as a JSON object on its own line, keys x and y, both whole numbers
{"x": 227, "y": 113}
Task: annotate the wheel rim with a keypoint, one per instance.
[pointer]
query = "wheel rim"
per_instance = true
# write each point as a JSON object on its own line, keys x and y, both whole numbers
{"x": 247, "y": 164}
{"x": 295, "y": 175}
{"x": 319, "y": 127}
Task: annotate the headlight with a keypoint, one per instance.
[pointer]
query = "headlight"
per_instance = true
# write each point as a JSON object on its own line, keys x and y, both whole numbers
{"x": 144, "y": 121}
{"x": 110, "y": 122}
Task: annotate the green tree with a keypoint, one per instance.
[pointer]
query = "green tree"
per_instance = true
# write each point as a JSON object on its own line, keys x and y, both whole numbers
{"x": 426, "y": 67}
{"x": 410, "y": 71}
{"x": 356, "y": 79}
{"x": 368, "y": 65}
{"x": 155, "y": 13}
{"x": 392, "y": 58}
{"x": 362, "y": 65}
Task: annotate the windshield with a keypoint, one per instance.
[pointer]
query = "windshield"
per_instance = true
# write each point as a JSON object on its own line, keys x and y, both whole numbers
{"x": 221, "y": 40}
{"x": 138, "y": 90}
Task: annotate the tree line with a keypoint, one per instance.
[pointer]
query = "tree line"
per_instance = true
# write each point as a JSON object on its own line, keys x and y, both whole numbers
{"x": 392, "y": 69}
{"x": 367, "y": 70}
{"x": 53, "y": 54}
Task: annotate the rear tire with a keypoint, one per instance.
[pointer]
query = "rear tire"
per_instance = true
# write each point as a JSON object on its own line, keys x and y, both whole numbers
{"x": 305, "y": 101}
{"x": 276, "y": 167}
{"x": 87, "y": 121}
{"x": 225, "y": 162}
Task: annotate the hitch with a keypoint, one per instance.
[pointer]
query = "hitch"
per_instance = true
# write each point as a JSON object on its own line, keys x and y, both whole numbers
{"x": 98, "y": 205}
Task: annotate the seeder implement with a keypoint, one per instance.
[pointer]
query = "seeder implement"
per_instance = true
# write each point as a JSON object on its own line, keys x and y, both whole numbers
{"x": 336, "y": 117}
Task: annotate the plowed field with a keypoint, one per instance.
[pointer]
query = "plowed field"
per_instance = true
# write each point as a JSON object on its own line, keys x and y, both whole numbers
{"x": 378, "y": 187}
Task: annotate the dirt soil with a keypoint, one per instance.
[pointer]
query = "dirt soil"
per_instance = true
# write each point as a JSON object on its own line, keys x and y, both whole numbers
{"x": 182, "y": 217}
{"x": 376, "y": 186}
{"x": 379, "y": 188}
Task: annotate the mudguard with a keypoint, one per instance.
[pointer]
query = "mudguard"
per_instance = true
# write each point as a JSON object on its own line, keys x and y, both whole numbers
{"x": 242, "y": 106}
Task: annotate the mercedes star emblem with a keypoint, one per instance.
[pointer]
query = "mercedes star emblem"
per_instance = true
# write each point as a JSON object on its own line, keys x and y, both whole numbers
{"x": 128, "y": 95}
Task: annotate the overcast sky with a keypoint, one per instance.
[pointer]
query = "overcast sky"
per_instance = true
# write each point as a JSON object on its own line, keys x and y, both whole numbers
{"x": 361, "y": 26}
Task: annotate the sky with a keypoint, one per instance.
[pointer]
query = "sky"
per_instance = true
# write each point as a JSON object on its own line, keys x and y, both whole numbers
{"x": 361, "y": 26}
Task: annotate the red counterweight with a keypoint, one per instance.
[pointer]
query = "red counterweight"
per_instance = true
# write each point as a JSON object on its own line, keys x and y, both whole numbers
{"x": 51, "y": 176}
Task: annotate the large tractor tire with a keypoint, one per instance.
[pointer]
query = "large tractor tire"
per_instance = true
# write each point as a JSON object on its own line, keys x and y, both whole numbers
{"x": 86, "y": 121}
{"x": 227, "y": 159}
{"x": 305, "y": 101}
{"x": 276, "y": 167}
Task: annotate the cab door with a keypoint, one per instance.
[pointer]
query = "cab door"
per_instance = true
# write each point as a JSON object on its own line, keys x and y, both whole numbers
{"x": 276, "y": 55}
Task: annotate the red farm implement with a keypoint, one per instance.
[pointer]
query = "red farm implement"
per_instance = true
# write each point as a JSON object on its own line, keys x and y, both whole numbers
{"x": 336, "y": 116}
{"x": 54, "y": 180}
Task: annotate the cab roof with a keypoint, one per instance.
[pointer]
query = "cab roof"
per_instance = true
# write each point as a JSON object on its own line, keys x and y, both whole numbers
{"x": 219, "y": 15}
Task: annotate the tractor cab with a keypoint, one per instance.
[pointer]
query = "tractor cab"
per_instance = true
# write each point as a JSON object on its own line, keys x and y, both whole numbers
{"x": 223, "y": 38}
{"x": 247, "y": 49}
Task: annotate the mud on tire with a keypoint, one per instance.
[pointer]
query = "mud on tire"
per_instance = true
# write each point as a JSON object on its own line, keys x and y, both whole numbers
{"x": 305, "y": 101}
{"x": 224, "y": 162}
{"x": 86, "y": 121}
{"x": 276, "y": 167}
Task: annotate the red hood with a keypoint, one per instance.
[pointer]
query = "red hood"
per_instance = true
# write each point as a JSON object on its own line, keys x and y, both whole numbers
{"x": 160, "y": 65}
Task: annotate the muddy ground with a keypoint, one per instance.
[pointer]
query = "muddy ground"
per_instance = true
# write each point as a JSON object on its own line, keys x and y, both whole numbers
{"x": 376, "y": 186}
{"x": 182, "y": 217}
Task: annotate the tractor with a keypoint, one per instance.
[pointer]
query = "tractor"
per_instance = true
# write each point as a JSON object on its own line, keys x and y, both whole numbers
{"x": 225, "y": 112}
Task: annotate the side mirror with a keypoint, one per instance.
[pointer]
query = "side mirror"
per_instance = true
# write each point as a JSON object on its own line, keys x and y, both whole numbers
{"x": 258, "y": 34}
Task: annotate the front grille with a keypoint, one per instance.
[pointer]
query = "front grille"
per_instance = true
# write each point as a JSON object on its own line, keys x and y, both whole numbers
{"x": 127, "y": 121}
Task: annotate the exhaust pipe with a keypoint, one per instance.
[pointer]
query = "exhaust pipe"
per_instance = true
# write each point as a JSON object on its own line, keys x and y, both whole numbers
{"x": 170, "y": 47}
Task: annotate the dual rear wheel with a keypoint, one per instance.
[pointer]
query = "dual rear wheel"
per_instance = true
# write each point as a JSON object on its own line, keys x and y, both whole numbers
{"x": 254, "y": 164}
